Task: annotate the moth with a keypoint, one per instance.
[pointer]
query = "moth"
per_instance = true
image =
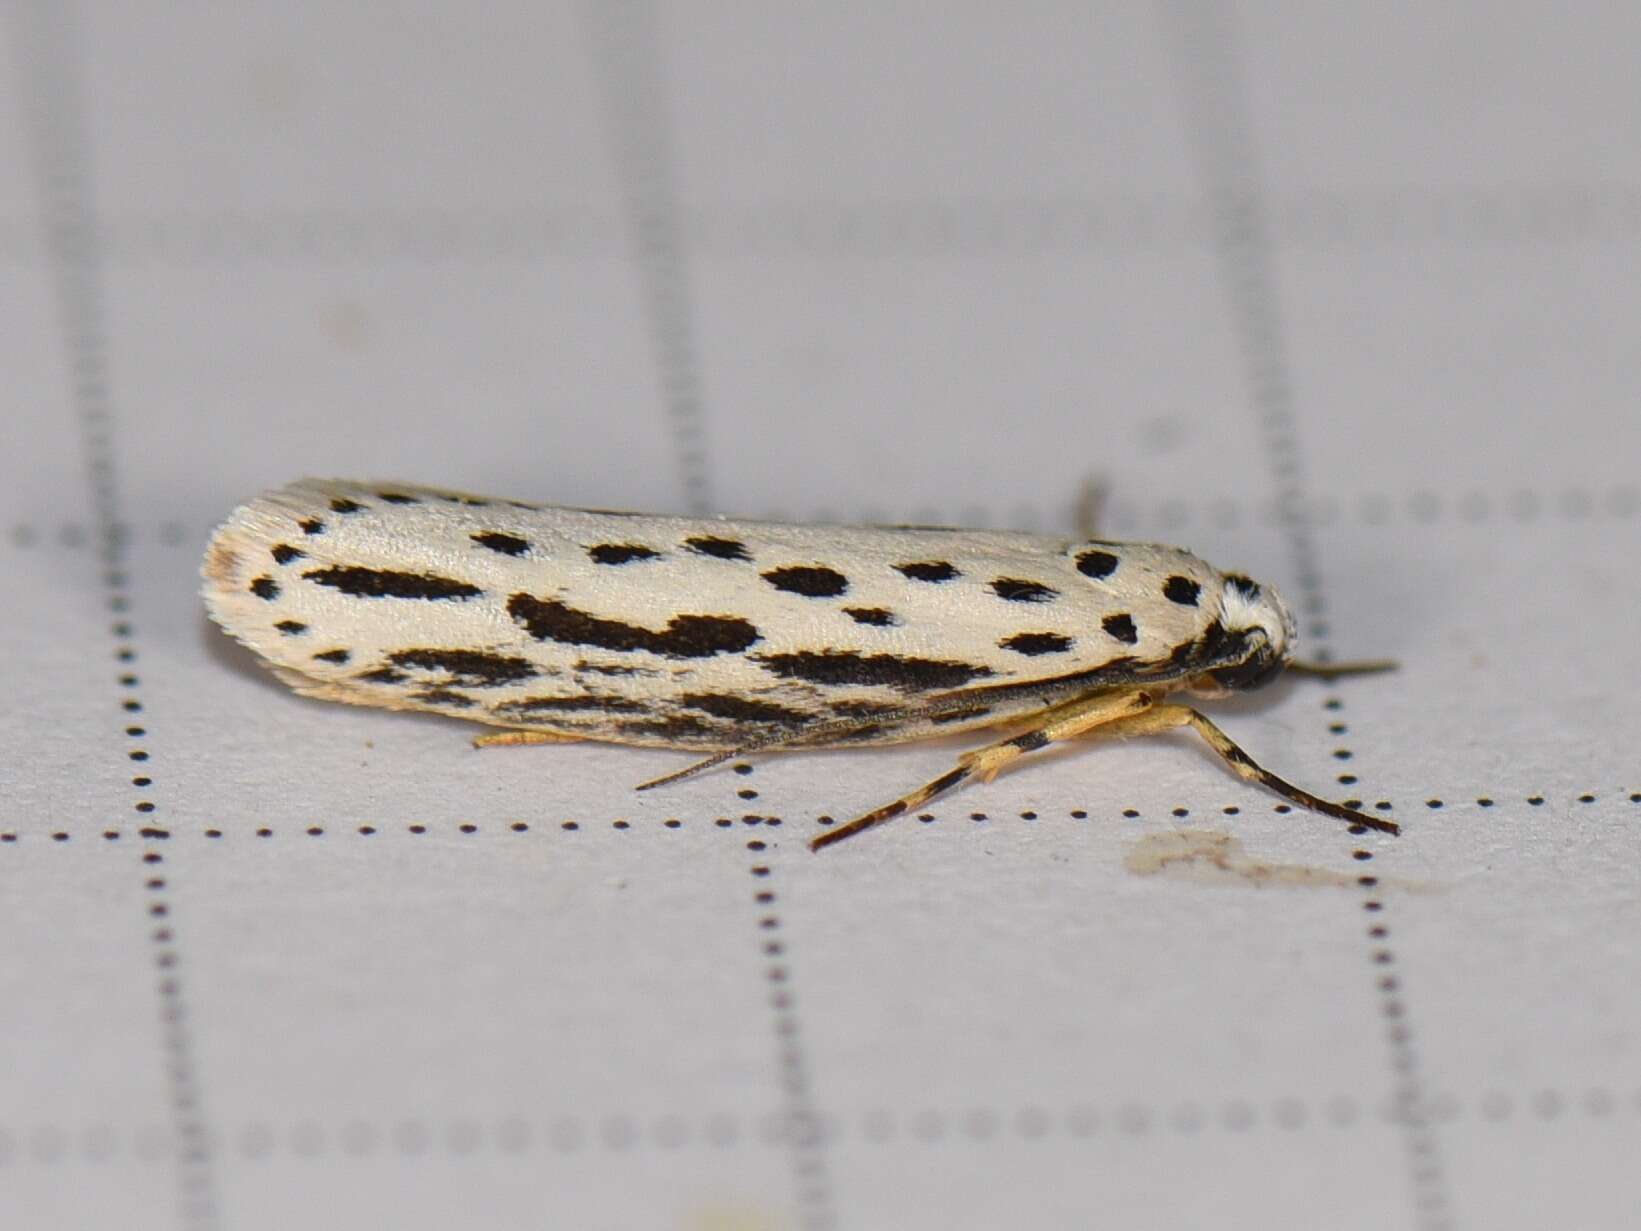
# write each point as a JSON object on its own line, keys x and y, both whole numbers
{"x": 732, "y": 637}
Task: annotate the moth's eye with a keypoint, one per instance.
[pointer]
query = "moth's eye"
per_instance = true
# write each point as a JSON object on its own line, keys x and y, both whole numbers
{"x": 1257, "y": 670}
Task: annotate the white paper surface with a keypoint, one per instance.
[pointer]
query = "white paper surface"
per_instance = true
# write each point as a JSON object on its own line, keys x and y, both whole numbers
{"x": 1347, "y": 301}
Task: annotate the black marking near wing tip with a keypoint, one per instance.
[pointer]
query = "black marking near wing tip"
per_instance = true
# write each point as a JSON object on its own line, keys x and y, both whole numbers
{"x": 929, "y": 570}
{"x": 722, "y": 549}
{"x": 505, "y": 544}
{"x": 979, "y": 711}
{"x": 343, "y": 505}
{"x": 685, "y": 636}
{"x": 611, "y": 668}
{"x": 389, "y": 583}
{"x": 621, "y": 553}
{"x": 284, "y": 553}
{"x": 467, "y": 668}
{"x": 1121, "y": 626}
{"x": 572, "y": 703}
{"x": 311, "y": 525}
{"x": 743, "y": 709}
{"x": 443, "y": 696}
{"x": 291, "y": 628}
{"x": 382, "y": 675}
{"x": 811, "y": 581}
{"x": 334, "y": 656}
{"x": 1181, "y": 590}
{"x": 1033, "y": 644}
{"x": 845, "y": 667}
{"x": 1096, "y": 564}
{"x": 1019, "y": 590}
{"x": 680, "y": 727}
{"x": 265, "y": 588}
{"x": 862, "y": 709}
{"x": 876, "y": 617}
{"x": 401, "y": 498}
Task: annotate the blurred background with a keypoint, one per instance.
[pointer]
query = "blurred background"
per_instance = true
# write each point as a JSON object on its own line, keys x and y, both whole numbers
{"x": 1345, "y": 296}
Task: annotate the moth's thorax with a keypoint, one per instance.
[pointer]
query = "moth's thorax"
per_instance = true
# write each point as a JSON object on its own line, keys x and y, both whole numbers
{"x": 1253, "y": 616}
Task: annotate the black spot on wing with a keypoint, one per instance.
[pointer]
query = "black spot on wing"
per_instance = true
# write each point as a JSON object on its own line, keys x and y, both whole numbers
{"x": 1245, "y": 586}
{"x": 333, "y": 656}
{"x": 1121, "y": 626}
{"x": 443, "y": 696}
{"x": 722, "y": 549}
{"x": 848, "y": 667}
{"x": 611, "y": 668}
{"x": 1019, "y": 590}
{"x": 389, "y": 583}
{"x": 401, "y": 498}
{"x": 685, "y": 636}
{"x": 620, "y": 553}
{"x": 929, "y": 570}
{"x": 743, "y": 709}
{"x": 467, "y": 668}
{"x": 291, "y": 628}
{"x": 311, "y": 525}
{"x": 382, "y": 675}
{"x": 877, "y": 617}
{"x": 572, "y": 703}
{"x": 506, "y": 544}
{"x": 1096, "y": 564}
{"x": 284, "y": 553}
{"x": 343, "y": 505}
{"x": 1181, "y": 590}
{"x": 1033, "y": 644}
{"x": 265, "y": 588}
{"x": 815, "y": 581}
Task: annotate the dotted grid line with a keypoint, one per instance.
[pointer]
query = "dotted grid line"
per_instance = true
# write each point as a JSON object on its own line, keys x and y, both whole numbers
{"x": 1316, "y": 218}
{"x": 464, "y": 1136}
{"x": 48, "y": 74}
{"x": 475, "y": 829}
{"x": 1619, "y": 502}
{"x": 801, "y": 1121}
{"x": 418, "y": 829}
{"x": 626, "y": 43}
{"x": 1214, "y": 99}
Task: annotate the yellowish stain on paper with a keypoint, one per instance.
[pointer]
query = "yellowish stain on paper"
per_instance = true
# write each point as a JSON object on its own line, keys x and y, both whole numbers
{"x": 1209, "y": 857}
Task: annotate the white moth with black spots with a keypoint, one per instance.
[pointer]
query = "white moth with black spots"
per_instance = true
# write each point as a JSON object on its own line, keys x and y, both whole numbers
{"x": 734, "y": 636}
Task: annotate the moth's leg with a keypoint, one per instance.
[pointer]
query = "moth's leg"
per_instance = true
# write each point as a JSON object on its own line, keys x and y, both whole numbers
{"x": 1090, "y": 506}
{"x": 1167, "y": 717}
{"x": 512, "y": 739}
{"x": 1059, "y": 722}
{"x": 1332, "y": 671}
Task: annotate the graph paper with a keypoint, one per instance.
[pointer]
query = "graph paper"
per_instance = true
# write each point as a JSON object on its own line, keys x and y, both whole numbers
{"x": 1344, "y": 300}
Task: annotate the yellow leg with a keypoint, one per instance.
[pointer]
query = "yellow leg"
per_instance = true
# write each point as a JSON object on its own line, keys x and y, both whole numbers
{"x": 1056, "y": 723}
{"x": 511, "y": 739}
{"x": 1167, "y": 717}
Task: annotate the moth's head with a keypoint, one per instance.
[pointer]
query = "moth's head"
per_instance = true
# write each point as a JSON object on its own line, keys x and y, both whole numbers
{"x": 1255, "y": 616}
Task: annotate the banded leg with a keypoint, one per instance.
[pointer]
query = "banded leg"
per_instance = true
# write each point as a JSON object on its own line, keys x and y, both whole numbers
{"x": 1167, "y": 717}
{"x": 517, "y": 739}
{"x": 1057, "y": 723}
